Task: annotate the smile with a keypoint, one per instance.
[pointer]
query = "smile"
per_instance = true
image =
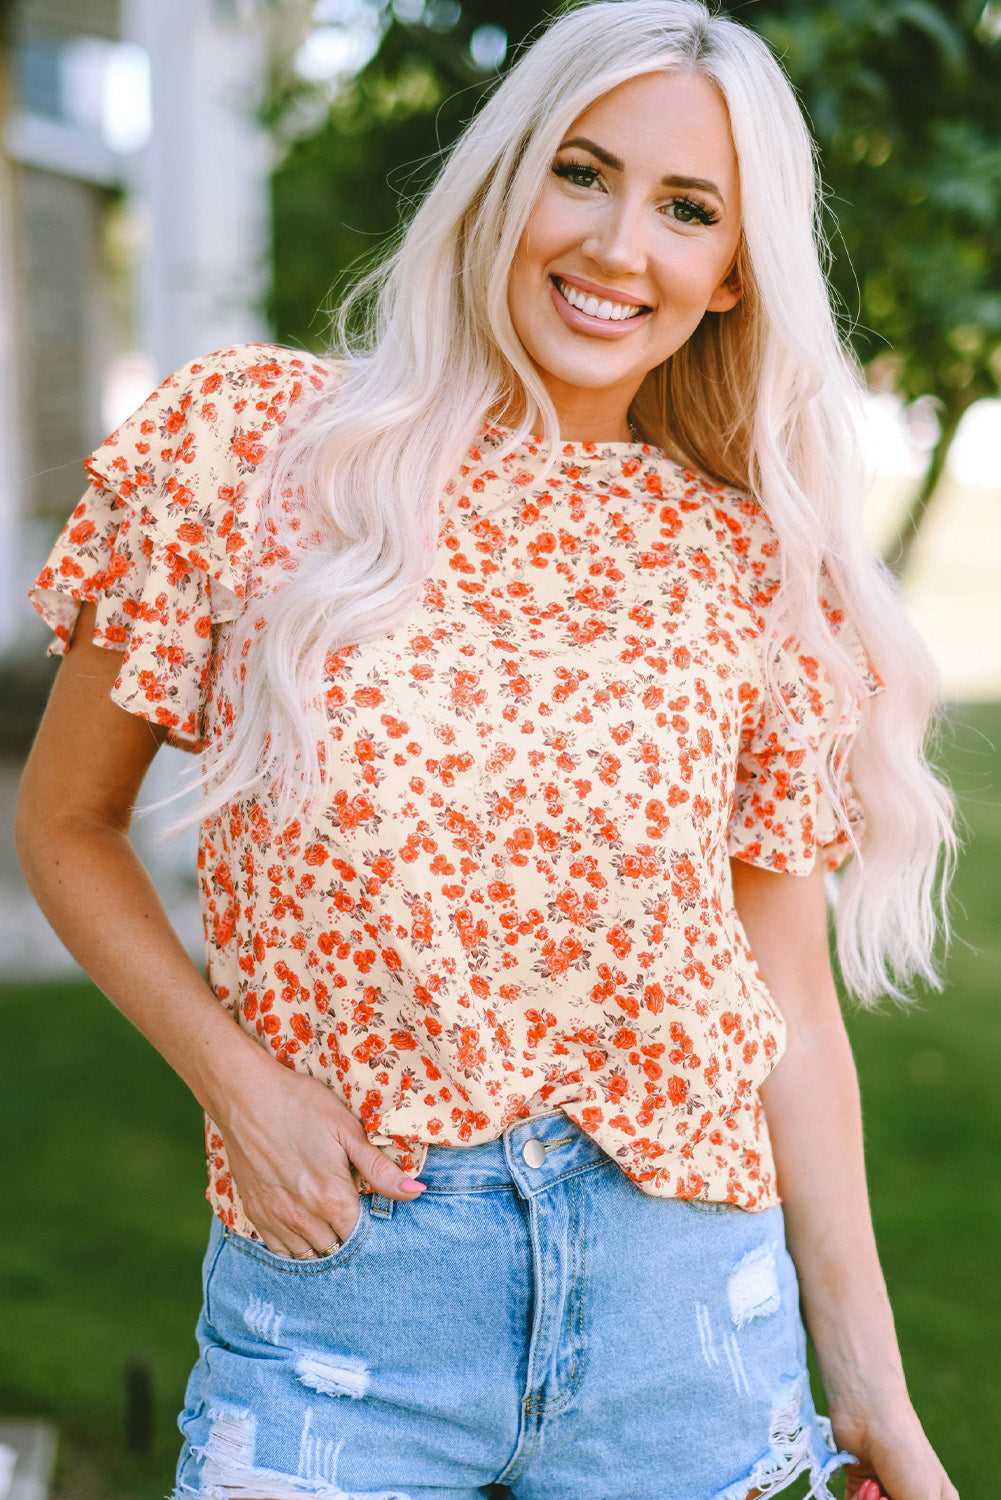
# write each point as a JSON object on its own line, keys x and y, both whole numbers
{"x": 596, "y": 307}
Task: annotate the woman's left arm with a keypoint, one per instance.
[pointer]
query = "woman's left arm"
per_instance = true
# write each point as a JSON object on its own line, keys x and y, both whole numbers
{"x": 811, "y": 1103}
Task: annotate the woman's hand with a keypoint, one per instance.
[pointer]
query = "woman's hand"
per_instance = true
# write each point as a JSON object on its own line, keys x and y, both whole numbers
{"x": 291, "y": 1145}
{"x": 895, "y": 1459}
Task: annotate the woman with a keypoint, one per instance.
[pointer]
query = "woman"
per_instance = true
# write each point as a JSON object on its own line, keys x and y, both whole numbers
{"x": 527, "y": 648}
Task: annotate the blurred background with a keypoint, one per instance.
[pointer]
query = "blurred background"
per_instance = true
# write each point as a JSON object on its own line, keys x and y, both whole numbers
{"x": 175, "y": 178}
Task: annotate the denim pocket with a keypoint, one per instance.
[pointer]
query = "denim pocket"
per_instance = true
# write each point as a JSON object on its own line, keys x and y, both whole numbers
{"x": 289, "y": 1265}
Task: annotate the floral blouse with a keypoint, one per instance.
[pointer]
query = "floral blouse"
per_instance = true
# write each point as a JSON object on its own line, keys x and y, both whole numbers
{"x": 517, "y": 896}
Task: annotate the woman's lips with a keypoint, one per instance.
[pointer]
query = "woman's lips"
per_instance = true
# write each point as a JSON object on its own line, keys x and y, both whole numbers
{"x": 597, "y": 304}
{"x": 589, "y": 313}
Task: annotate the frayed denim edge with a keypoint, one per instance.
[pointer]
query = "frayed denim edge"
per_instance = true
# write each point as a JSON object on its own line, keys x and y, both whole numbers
{"x": 769, "y": 1480}
{"x": 791, "y": 1454}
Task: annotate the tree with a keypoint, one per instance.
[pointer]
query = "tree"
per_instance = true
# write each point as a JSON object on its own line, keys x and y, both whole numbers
{"x": 343, "y": 182}
{"x": 905, "y": 103}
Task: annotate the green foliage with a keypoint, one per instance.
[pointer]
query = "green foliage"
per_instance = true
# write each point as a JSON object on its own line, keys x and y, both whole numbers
{"x": 342, "y": 186}
{"x": 104, "y": 1228}
{"x": 905, "y": 102}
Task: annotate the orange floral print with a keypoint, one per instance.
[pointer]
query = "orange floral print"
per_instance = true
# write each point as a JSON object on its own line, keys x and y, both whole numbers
{"x": 516, "y": 895}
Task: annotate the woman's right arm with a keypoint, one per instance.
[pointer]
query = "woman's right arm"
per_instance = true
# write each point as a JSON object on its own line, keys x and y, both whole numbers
{"x": 289, "y": 1139}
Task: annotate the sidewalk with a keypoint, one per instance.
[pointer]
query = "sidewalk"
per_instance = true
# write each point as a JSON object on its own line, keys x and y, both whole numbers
{"x": 951, "y": 589}
{"x": 27, "y": 1457}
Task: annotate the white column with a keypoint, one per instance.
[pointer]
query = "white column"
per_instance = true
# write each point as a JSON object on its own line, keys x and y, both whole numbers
{"x": 201, "y": 187}
{"x": 202, "y": 181}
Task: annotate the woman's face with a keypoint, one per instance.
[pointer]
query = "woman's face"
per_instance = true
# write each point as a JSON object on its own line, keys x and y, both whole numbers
{"x": 632, "y": 240}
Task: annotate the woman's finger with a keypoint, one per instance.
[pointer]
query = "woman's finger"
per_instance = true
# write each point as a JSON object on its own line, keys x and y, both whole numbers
{"x": 304, "y": 1242}
{"x": 334, "y": 1243}
{"x": 378, "y": 1169}
{"x": 301, "y": 1232}
{"x": 287, "y": 1244}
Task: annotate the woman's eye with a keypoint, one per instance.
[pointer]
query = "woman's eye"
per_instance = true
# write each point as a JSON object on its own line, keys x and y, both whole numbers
{"x": 576, "y": 172}
{"x": 687, "y": 211}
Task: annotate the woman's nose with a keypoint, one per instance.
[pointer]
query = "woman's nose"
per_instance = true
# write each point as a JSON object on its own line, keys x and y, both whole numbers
{"x": 618, "y": 243}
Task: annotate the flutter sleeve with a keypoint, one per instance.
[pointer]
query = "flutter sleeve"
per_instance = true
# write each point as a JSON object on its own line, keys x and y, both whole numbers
{"x": 162, "y": 541}
{"x": 782, "y": 818}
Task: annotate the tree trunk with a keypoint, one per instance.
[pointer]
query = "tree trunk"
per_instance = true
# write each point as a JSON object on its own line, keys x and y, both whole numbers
{"x": 898, "y": 553}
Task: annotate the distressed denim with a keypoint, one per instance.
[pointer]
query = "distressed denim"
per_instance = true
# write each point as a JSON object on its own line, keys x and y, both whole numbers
{"x": 532, "y": 1325}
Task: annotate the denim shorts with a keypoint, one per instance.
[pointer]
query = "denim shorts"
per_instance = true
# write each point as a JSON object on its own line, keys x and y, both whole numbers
{"x": 533, "y": 1325}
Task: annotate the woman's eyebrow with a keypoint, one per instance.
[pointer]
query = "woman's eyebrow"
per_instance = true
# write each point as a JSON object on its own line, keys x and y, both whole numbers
{"x": 701, "y": 184}
{"x": 603, "y": 156}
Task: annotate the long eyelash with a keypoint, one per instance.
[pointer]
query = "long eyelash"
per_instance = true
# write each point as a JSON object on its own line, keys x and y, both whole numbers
{"x": 571, "y": 168}
{"x": 697, "y": 210}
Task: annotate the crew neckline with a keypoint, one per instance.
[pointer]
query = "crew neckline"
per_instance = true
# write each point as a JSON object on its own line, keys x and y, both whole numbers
{"x": 576, "y": 445}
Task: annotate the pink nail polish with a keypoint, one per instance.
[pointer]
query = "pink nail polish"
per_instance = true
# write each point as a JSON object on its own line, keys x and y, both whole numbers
{"x": 411, "y": 1185}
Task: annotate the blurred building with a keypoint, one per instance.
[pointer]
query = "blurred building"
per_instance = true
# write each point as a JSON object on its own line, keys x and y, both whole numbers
{"x": 133, "y": 230}
{"x": 134, "y": 235}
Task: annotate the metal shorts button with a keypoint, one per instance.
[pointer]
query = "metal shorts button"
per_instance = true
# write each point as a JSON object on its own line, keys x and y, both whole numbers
{"x": 534, "y": 1153}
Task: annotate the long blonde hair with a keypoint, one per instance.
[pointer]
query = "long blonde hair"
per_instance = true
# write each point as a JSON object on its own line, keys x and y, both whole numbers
{"x": 763, "y": 397}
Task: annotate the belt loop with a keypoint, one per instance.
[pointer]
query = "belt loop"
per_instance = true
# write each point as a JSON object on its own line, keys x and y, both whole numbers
{"x": 382, "y": 1207}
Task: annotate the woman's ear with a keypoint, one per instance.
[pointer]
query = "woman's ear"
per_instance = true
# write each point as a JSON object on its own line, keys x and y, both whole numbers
{"x": 728, "y": 293}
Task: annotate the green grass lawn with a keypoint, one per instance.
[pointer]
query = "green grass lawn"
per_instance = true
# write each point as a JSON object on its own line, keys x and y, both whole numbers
{"x": 104, "y": 1223}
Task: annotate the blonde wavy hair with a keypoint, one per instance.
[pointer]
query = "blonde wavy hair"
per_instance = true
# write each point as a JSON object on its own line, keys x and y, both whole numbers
{"x": 763, "y": 397}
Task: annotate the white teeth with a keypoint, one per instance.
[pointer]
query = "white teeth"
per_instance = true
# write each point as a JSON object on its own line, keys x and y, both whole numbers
{"x": 610, "y": 312}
